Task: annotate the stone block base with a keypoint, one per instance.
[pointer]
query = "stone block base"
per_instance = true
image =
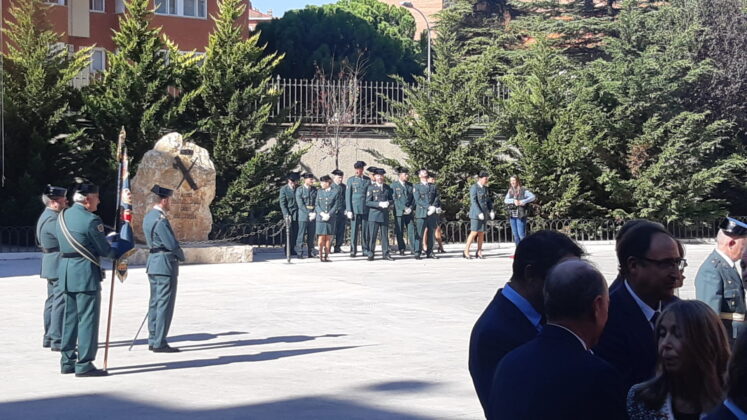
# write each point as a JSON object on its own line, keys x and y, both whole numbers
{"x": 204, "y": 254}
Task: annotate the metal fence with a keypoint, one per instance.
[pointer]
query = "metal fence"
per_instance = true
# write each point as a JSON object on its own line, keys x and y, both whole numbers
{"x": 22, "y": 238}
{"x": 353, "y": 102}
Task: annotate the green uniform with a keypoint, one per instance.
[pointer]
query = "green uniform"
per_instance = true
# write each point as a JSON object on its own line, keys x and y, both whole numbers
{"x": 480, "y": 203}
{"x": 403, "y": 200}
{"x": 327, "y": 202}
{"x": 378, "y": 217}
{"x": 289, "y": 208}
{"x": 340, "y": 220}
{"x": 80, "y": 279}
{"x": 163, "y": 269}
{"x": 46, "y": 233}
{"x": 355, "y": 202}
{"x": 426, "y": 196}
{"x": 306, "y": 202}
{"x": 719, "y": 284}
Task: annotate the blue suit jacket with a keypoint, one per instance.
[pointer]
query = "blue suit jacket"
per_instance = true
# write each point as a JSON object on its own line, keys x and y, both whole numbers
{"x": 628, "y": 342}
{"x": 502, "y": 327}
{"x": 721, "y": 413}
{"x": 554, "y": 377}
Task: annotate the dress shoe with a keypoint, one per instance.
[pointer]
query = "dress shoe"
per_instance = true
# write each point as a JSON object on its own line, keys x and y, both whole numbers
{"x": 337, "y": 250}
{"x": 92, "y": 373}
{"x": 150, "y": 347}
{"x": 55, "y": 349}
{"x": 370, "y": 258}
{"x": 388, "y": 257}
{"x": 401, "y": 252}
{"x": 466, "y": 255}
{"x": 418, "y": 257}
{"x": 67, "y": 370}
{"x": 165, "y": 349}
{"x": 431, "y": 256}
{"x": 353, "y": 254}
{"x": 300, "y": 256}
{"x": 46, "y": 345}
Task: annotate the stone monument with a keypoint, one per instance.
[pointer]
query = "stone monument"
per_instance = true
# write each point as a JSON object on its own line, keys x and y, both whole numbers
{"x": 185, "y": 168}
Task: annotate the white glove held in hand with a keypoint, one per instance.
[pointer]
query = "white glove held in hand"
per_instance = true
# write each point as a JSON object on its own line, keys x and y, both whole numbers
{"x": 384, "y": 204}
{"x": 481, "y": 216}
{"x": 312, "y": 216}
{"x": 407, "y": 210}
{"x": 438, "y": 210}
{"x": 350, "y": 214}
{"x": 325, "y": 216}
{"x": 431, "y": 210}
{"x": 492, "y": 215}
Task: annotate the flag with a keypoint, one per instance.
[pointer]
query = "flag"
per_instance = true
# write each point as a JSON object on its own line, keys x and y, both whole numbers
{"x": 125, "y": 213}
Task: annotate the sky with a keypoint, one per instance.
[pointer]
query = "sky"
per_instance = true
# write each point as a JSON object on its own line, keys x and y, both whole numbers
{"x": 281, "y": 6}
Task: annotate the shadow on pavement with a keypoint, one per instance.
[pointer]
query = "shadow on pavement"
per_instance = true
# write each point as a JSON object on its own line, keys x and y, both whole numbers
{"x": 176, "y": 338}
{"x": 222, "y": 360}
{"x": 110, "y": 407}
{"x": 254, "y": 342}
{"x": 400, "y": 386}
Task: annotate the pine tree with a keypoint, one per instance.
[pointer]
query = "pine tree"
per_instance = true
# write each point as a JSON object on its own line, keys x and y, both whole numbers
{"x": 236, "y": 97}
{"x": 142, "y": 89}
{"x": 39, "y": 117}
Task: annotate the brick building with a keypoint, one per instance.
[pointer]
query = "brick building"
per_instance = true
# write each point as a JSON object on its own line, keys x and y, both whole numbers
{"x": 84, "y": 23}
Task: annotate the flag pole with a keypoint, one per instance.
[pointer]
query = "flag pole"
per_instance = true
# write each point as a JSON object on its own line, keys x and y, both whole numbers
{"x": 120, "y": 147}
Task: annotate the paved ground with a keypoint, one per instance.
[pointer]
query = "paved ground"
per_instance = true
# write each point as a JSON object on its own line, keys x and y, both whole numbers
{"x": 270, "y": 340}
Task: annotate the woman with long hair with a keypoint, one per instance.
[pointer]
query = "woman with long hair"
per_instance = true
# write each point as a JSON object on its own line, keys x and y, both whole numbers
{"x": 516, "y": 199}
{"x": 691, "y": 368}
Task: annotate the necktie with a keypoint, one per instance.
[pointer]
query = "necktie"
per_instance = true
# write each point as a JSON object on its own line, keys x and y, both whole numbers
{"x": 654, "y": 317}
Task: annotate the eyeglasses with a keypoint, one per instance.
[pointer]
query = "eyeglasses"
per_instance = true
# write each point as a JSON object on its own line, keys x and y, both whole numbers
{"x": 678, "y": 263}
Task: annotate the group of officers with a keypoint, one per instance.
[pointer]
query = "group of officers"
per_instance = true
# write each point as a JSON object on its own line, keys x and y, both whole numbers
{"x": 73, "y": 241}
{"x": 367, "y": 203}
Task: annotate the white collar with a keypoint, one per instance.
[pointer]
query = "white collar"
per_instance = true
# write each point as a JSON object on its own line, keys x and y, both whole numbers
{"x": 159, "y": 208}
{"x": 424, "y": 182}
{"x": 648, "y": 311}
{"x": 380, "y": 185}
{"x": 728, "y": 260}
{"x": 583, "y": 343}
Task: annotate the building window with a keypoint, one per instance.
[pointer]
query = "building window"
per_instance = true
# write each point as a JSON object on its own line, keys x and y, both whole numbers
{"x": 189, "y": 8}
{"x": 98, "y": 60}
{"x": 97, "y": 5}
{"x": 59, "y": 2}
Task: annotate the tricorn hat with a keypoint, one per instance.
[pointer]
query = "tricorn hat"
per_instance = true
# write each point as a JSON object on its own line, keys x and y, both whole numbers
{"x": 325, "y": 178}
{"x": 483, "y": 174}
{"x": 360, "y": 164}
{"x": 379, "y": 171}
{"x": 338, "y": 172}
{"x": 294, "y": 176}
{"x": 161, "y": 191}
{"x": 308, "y": 175}
{"x": 401, "y": 170}
{"x": 733, "y": 227}
{"x": 52, "y": 192}
{"x": 85, "y": 189}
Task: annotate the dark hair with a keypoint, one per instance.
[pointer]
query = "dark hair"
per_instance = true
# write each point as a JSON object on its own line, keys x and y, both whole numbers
{"x": 542, "y": 250}
{"x": 737, "y": 374}
{"x": 636, "y": 242}
{"x": 570, "y": 290}
{"x": 626, "y": 227}
{"x": 705, "y": 356}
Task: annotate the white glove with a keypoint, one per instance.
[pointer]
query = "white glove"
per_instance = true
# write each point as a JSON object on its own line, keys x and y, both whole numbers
{"x": 349, "y": 214}
{"x": 312, "y": 216}
{"x": 481, "y": 216}
{"x": 438, "y": 210}
{"x": 325, "y": 216}
{"x": 492, "y": 214}
{"x": 407, "y": 210}
{"x": 431, "y": 210}
{"x": 384, "y": 204}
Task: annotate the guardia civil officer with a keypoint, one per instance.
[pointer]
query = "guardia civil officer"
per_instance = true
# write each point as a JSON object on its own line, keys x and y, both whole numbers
{"x": 289, "y": 207}
{"x": 378, "y": 201}
{"x": 480, "y": 207}
{"x": 82, "y": 243}
{"x": 46, "y": 233}
{"x": 719, "y": 279}
{"x": 337, "y": 177}
{"x": 427, "y": 200}
{"x": 162, "y": 268}
{"x": 306, "y": 202}
{"x": 355, "y": 208}
{"x": 404, "y": 202}
{"x": 327, "y": 203}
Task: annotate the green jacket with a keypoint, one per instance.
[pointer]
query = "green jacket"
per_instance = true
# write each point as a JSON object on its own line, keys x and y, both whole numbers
{"x": 160, "y": 237}
{"x": 355, "y": 194}
{"x": 479, "y": 201}
{"x": 720, "y": 287}
{"x": 341, "y": 188}
{"x": 375, "y": 194}
{"x": 46, "y": 234}
{"x": 306, "y": 201}
{"x": 79, "y": 274}
{"x": 288, "y": 202}
{"x": 327, "y": 201}
{"x": 426, "y": 195}
{"x": 403, "y": 197}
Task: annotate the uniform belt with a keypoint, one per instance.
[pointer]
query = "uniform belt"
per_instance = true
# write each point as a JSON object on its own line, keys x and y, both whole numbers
{"x": 71, "y": 255}
{"x": 157, "y": 250}
{"x": 50, "y": 250}
{"x": 310, "y": 207}
{"x": 731, "y": 317}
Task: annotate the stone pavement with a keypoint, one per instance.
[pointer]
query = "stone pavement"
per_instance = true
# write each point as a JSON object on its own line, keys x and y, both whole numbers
{"x": 351, "y": 339}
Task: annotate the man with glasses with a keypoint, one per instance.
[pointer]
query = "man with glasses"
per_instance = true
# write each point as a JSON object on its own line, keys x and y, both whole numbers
{"x": 650, "y": 264}
{"x": 719, "y": 281}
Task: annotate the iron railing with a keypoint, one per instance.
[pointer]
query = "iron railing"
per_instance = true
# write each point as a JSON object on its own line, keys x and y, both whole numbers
{"x": 22, "y": 238}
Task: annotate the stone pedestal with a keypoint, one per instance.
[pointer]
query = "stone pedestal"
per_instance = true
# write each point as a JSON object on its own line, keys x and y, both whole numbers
{"x": 204, "y": 254}
{"x": 190, "y": 206}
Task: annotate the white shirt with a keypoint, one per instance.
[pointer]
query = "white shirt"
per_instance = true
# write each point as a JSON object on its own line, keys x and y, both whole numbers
{"x": 738, "y": 412}
{"x": 159, "y": 208}
{"x": 648, "y": 311}
{"x": 736, "y": 264}
{"x": 583, "y": 343}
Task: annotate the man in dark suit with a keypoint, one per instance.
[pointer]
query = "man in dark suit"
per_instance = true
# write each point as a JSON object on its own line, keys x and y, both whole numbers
{"x": 650, "y": 263}
{"x": 719, "y": 280}
{"x": 555, "y": 376}
{"x": 514, "y": 315}
{"x": 735, "y": 405}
